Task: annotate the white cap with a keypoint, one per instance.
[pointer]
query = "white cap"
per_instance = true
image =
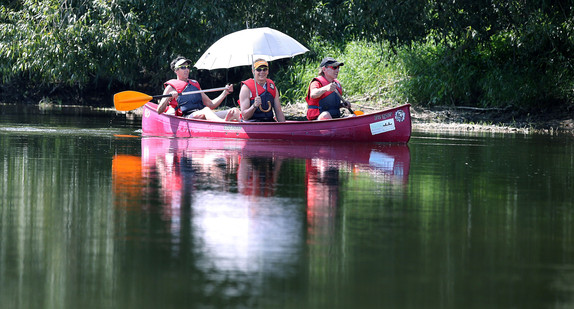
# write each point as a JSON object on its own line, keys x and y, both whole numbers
{"x": 182, "y": 61}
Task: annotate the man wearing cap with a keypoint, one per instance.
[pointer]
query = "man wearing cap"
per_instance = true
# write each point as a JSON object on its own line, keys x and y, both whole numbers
{"x": 324, "y": 95}
{"x": 197, "y": 105}
{"x": 259, "y": 98}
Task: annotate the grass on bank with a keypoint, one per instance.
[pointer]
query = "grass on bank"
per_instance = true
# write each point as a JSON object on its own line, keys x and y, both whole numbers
{"x": 435, "y": 74}
{"x": 370, "y": 73}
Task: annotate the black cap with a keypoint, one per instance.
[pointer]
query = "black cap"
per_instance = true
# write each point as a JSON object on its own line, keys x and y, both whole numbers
{"x": 330, "y": 61}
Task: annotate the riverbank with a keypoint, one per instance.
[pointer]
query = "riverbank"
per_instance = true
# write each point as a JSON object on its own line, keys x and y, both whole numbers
{"x": 551, "y": 122}
{"x": 453, "y": 119}
{"x": 473, "y": 119}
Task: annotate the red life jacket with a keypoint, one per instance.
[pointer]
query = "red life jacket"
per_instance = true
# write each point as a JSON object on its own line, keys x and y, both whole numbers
{"x": 328, "y": 101}
{"x": 267, "y": 98}
{"x": 188, "y": 103}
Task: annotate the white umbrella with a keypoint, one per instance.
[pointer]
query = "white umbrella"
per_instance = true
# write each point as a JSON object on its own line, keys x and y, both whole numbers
{"x": 242, "y": 47}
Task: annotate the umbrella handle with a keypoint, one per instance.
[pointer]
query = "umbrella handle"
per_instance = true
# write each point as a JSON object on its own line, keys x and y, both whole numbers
{"x": 266, "y": 110}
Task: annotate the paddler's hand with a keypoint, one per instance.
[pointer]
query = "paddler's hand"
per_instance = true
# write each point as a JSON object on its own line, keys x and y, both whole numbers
{"x": 174, "y": 94}
{"x": 332, "y": 87}
{"x": 228, "y": 89}
{"x": 257, "y": 102}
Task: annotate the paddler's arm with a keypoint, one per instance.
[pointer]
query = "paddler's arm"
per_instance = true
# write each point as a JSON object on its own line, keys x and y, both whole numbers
{"x": 213, "y": 104}
{"x": 317, "y": 91}
{"x": 164, "y": 102}
{"x": 247, "y": 109}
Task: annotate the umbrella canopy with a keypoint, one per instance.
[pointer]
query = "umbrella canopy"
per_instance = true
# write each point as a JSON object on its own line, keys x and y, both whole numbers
{"x": 242, "y": 47}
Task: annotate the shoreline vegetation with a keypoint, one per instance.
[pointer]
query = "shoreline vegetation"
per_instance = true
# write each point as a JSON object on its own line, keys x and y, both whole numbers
{"x": 433, "y": 119}
{"x": 427, "y": 119}
{"x": 457, "y": 119}
{"x": 481, "y": 63}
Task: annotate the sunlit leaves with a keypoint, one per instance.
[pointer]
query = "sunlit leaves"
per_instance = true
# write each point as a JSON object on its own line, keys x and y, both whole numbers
{"x": 60, "y": 44}
{"x": 466, "y": 46}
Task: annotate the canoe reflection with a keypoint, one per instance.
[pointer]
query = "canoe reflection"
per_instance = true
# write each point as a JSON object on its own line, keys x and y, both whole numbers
{"x": 257, "y": 175}
{"x": 250, "y": 167}
{"x": 237, "y": 203}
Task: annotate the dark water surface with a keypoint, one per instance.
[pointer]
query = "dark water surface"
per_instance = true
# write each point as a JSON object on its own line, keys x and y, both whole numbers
{"x": 92, "y": 215}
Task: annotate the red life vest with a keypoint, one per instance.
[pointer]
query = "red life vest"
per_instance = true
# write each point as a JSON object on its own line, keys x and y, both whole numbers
{"x": 267, "y": 98}
{"x": 328, "y": 101}
{"x": 188, "y": 103}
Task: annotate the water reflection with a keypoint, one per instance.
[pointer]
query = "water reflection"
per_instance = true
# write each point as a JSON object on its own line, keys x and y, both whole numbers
{"x": 247, "y": 207}
{"x": 251, "y": 168}
{"x": 94, "y": 218}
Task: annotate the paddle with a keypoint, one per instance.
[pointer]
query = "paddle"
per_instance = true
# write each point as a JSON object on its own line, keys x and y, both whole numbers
{"x": 358, "y": 113}
{"x": 130, "y": 100}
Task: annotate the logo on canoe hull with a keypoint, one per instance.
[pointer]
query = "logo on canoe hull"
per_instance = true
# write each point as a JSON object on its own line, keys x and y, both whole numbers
{"x": 231, "y": 128}
{"x": 400, "y": 115}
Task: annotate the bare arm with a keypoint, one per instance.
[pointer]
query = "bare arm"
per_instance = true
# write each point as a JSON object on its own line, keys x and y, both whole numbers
{"x": 164, "y": 102}
{"x": 247, "y": 110}
{"x": 213, "y": 104}
{"x": 317, "y": 92}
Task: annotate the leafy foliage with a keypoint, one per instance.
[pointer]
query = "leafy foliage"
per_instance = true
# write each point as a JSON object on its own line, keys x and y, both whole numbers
{"x": 465, "y": 52}
{"x": 523, "y": 65}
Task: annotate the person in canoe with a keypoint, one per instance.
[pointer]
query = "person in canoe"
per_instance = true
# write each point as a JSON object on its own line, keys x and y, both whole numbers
{"x": 196, "y": 106}
{"x": 261, "y": 103}
{"x": 324, "y": 95}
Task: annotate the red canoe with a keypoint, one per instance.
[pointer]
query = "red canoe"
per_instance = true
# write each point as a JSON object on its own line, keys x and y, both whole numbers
{"x": 388, "y": 126}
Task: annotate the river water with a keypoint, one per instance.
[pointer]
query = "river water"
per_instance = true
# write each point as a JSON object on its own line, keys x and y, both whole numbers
{"x": 93, "y": 215}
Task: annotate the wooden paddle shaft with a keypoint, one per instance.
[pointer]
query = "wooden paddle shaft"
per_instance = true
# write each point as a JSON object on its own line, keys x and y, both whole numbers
{"x": 130, "y": 100}
{"x": 190, "y": 92}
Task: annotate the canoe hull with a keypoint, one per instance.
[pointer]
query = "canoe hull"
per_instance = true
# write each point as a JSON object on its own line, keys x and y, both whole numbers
{"x": 388, "y": 126}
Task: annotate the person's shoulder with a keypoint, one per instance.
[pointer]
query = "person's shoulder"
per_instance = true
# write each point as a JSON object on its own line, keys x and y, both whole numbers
{"x": 315, "y": 84}
{"x": 321, "y": 80}
{"x": 194, "y": 82}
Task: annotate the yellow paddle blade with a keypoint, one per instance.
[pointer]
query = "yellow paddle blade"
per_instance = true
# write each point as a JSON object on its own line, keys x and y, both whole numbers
{"x": 130, "y": 100}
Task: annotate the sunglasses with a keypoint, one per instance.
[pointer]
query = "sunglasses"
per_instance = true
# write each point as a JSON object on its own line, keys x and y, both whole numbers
{"x": 261, "y": 69}
{"x": 184, "y": 67}
{"x": 335, "y": 68}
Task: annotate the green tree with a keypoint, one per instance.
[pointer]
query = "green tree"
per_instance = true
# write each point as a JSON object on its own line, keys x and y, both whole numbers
{"x": 475, "y": 52}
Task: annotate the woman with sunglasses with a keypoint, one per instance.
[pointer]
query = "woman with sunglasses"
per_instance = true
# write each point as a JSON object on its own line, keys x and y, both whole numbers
{"x": 196, "y": 106}
{"x": 324, "y": 95}
{"x": 259, "y": 98}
